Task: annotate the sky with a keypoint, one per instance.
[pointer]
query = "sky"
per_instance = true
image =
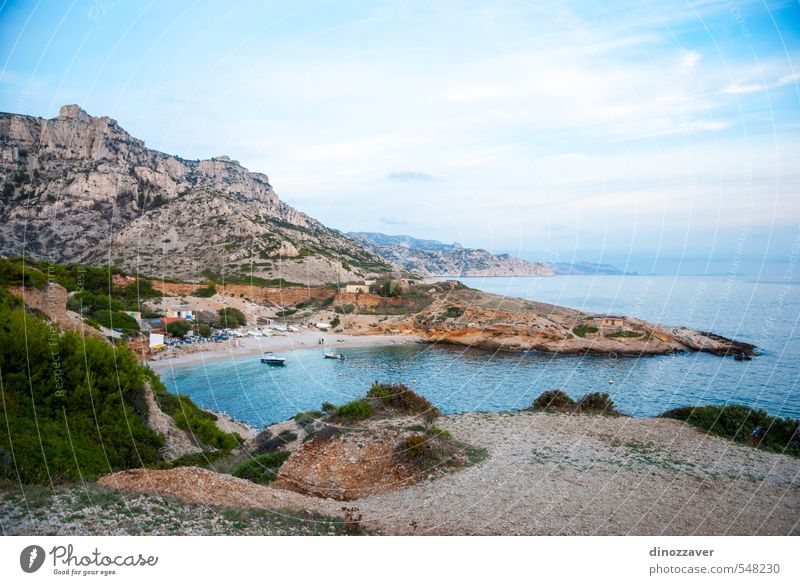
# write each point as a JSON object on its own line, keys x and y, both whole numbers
{"x": 659, "y": 136}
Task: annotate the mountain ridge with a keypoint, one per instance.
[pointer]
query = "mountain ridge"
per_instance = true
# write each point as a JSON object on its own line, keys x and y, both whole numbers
{"x": 435, "y": 258}
{"x": 79, "y": 188}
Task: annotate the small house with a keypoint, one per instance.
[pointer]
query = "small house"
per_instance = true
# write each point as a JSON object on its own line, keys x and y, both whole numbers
{"x": 611, "y": 321}
{"x": 181, "y": 312}
{"x": 356, "y": 288}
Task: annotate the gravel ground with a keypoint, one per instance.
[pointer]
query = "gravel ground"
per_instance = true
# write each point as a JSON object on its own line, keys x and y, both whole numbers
{"x": 572, "y": 474}
{"x": 93, "y": 510}
{"x": 543, "y": 474}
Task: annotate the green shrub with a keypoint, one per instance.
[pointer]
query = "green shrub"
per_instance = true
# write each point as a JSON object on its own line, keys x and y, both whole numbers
{"x": 304, "y": 418}
{"x": 204, "y": 330}
{"x": 743, "y": 424}
{"x": 597, "y": 402}
{"x": 355, "y": 410}
{"x": 553, "y": 400}
{"x": 116, "y": 320}
{"x": 453, "y": 312}
{"x": 624, "y": 334}
{"x": 401, "y": 397}
{"x": 262, "y": 469}
{"x": 205, "y": 292}
{"x": 335, "y": 322}
{"x": 73, "y": 407}
{"x": 344, "y": 309}
{"x": 328, "y": 407}
{"x": 231, "y": 317}
{"x": 582, "y": 330}
{"x": 178, "y": 328}
{"x": 286, "y": 313}
{"x": 439, "y": 433}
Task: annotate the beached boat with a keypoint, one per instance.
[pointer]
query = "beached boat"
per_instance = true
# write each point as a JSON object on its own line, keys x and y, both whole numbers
{"x": 273, "y": 360}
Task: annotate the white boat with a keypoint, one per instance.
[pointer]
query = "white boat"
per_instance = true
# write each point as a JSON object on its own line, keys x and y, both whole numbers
{"x": 273, "y": 360}
{"x": 332, "y": 355}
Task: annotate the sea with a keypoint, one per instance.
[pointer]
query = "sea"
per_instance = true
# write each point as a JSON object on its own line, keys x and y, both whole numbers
{"x": 458, "y": 379}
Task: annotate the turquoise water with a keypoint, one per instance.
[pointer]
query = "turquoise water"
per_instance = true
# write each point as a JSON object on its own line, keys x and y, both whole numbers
{"x": 458, "y": 379}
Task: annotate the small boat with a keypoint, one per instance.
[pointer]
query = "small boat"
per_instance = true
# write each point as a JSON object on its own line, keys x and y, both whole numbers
{"x": 273, "y": 360}
{"x": 330, "y": 355}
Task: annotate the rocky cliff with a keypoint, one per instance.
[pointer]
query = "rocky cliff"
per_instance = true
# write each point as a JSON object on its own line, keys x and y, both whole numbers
{"x": 433, "y": 258}
{"x": 78, "y": 188}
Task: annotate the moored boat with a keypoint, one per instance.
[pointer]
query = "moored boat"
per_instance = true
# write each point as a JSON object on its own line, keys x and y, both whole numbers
{"x": 273, "y": 360}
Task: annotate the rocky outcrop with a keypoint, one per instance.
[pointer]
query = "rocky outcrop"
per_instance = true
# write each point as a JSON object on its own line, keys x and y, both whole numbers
{"x": 477, "y": 319}
{"x": 177, "y": 441}
{"x": 78, "y": 188}
{"x": 52, "y": 303}
{"x": 347, "y": 467}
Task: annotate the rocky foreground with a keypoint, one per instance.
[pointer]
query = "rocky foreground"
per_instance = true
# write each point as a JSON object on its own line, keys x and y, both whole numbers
{"x": 541, "y": 474}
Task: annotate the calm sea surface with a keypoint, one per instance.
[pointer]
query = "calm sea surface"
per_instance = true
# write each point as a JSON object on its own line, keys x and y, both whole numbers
{"x": 458, "y": 380}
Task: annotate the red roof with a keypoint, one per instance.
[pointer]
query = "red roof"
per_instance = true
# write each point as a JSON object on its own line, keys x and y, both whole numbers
{"x": 168, "y": 320}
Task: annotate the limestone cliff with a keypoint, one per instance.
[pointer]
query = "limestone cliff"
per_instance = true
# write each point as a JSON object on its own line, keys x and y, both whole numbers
{"x": 79, "y": 188}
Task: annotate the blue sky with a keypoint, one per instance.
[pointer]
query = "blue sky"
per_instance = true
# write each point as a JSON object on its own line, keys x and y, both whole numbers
{"x": 654, "y": 135}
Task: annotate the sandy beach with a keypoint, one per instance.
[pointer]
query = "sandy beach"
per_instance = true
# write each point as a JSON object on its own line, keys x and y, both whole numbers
{"x": 280, "y": 343}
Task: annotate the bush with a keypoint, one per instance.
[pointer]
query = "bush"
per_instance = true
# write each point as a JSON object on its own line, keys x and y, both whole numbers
{"x": 262, "y": 469}
{"x": 73, "y": 407}
{"x": 624, "y": 334}
{"x": 335, "y": 322}
{"x": 328, "y": 407}
{"x": 304, "y": 418}
{"x": 415, "y": 447}
{"x": 265, "y": 442}
{"x": 743, "y": 424}
{"x": 286, "y": 313}
{"x": 582, "y": 330}
{"x": 204, "y": 330}
{"x": 401, "y": 397}
{"x": 355, "y": 410}
{"x": 344, "y": 309}
{"x": 453, "y": 312}
{"x": 439, "y": 433}
{"x": 231, "y": 317}
{"x": 205, "y": 292}
{"x": 178, "y": 328}
{"x": 116, "y": 320}
{"x": 597, "y": 402}
{"x": 553, "y": 400}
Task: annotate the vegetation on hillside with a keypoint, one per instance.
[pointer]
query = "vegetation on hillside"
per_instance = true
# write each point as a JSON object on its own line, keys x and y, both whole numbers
{"x": 744, "y": 425}
{"x": 231, "y": 317}
{"x": 72, "y": 407}
{"x": 94, "y": 294}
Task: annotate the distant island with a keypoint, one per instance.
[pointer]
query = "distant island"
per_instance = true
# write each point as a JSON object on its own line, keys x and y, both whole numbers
{"x": 435, "y": 258}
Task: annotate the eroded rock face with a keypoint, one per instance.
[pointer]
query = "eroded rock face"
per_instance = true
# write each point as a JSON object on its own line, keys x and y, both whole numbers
{"x": 78, "y": 188}
{"x": 347, "y": 467}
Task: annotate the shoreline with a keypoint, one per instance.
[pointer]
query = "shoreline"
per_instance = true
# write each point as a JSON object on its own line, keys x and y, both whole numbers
{"x": 288, "y": 342}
